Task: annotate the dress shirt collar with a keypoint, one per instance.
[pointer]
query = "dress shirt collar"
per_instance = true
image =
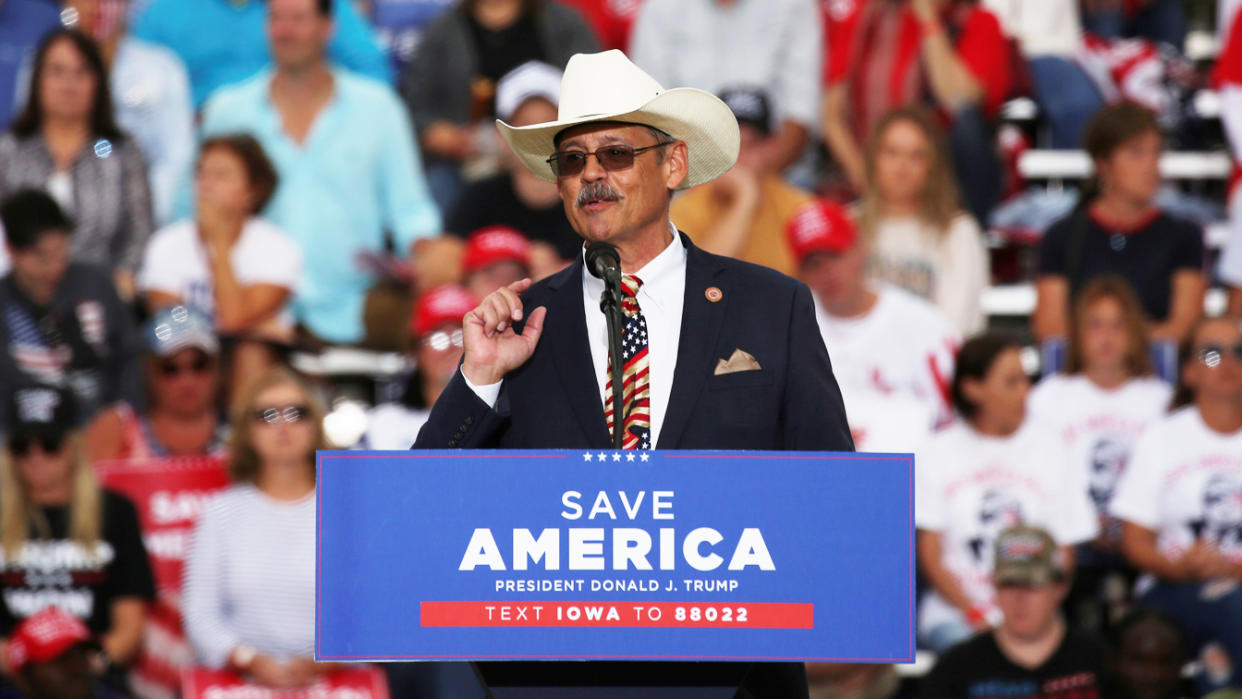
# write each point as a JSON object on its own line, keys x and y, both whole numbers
{"x": 658, "y": 275}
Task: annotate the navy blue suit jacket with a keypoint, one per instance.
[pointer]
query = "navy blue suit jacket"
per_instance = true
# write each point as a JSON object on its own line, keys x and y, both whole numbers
{"x": 552, "y": 401}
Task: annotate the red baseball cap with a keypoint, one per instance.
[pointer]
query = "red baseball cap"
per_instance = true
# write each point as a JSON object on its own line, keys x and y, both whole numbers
{"x": 493, "y": 244}
{"x": 45, "y": 637}
{"x": 441, "y": 305}
{"x": 820, "y": 226}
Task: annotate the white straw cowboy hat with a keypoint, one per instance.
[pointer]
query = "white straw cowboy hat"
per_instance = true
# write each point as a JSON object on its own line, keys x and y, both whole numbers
{"x": 608, "y": 87}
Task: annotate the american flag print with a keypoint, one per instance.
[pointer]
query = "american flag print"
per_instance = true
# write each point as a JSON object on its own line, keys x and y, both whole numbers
{"x": 31, "y": 350}
{"x": 636, "y": 397}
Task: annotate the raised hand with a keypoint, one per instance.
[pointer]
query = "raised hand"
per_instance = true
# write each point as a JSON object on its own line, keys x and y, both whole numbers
{"x": 492, "y": 349}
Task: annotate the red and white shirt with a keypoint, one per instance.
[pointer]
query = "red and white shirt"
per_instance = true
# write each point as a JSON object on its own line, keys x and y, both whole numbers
{"x": 895, "y": 392}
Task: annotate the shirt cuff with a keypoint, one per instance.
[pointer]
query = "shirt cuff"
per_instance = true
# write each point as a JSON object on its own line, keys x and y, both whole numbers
{"x": 488, "y": 393}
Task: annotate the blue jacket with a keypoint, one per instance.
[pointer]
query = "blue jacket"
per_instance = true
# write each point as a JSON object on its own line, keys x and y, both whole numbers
{"x": 552, "y": 401}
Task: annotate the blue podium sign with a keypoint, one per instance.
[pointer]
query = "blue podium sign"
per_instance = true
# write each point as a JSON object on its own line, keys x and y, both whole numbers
{"x": 609, "y": 555}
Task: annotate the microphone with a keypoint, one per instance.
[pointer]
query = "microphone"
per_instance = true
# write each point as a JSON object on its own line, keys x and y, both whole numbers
{"x": 603, "y": 261}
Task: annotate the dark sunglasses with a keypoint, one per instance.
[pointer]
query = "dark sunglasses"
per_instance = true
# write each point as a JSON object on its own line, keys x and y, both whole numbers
{"x": 1212, "y": 354}
{"x": 567, "y": 163}
{"x": 288, "y": 414}
{"x": 198, "y": 365}
{"x": 20, "y": 446}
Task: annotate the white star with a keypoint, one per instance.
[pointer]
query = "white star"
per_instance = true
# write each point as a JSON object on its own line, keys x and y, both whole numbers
{"x": 602, "y": 456}
{"x": 643, "y": 457}
{"x": 586, "y": 456}
{"x": 629, "y": 457}
{"x": 616, "y": 456}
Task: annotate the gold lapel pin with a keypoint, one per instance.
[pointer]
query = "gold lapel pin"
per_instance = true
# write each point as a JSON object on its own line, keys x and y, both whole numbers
{"x": 713, "y": 294}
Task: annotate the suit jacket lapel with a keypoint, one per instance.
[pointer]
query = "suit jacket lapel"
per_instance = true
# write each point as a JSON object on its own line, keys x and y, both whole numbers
{"x": 572, "y": 351}
{"x": 701, "y": 321}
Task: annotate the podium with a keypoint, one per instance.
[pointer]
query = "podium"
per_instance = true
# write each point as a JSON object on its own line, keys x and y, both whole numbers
{"x": 691, "y": 571}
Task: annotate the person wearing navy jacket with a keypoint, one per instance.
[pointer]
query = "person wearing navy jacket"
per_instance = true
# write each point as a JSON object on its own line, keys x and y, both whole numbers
{"x": 717, "y": 353}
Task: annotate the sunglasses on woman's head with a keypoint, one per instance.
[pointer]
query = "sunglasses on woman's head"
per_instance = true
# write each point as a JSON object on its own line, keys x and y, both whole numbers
{"x": 1212, "y": 354}
{"x": 567, "y": 163}
{"x": 275, "y": 415}
{"x": 21, "y": 445}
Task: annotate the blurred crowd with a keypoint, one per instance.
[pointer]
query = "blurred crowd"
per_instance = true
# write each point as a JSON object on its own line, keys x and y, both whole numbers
{"x": 193, "y": 192}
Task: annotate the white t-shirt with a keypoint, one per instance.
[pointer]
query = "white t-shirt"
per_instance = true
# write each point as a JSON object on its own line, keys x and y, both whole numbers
{"x": 1185, "y": 483}
{"x": 1042, "y": 27}
{"x": 894, "y": 365}
{"x": 1098, "y": 426}
{"x": 176, "y": 263}
{"x": 969, "y": 487}
{"x": 393, "y": 426}
{"x": 948, "y": 268}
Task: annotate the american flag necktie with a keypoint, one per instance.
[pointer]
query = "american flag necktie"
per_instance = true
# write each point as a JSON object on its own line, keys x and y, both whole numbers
{"x": 636, "y": 398}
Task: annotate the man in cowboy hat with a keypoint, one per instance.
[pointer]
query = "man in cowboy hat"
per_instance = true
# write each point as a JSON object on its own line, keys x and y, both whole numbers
{"x": 720, "y": 354}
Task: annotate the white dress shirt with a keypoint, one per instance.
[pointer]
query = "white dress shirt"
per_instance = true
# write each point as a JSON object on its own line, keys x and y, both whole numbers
{"x": 660, "y": 298}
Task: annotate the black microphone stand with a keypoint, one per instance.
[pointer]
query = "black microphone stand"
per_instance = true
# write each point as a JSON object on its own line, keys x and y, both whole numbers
{"x": 610, "y": 304}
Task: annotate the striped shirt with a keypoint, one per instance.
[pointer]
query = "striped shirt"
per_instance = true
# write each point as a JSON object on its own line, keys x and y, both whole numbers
{"x": 250, "y": 577}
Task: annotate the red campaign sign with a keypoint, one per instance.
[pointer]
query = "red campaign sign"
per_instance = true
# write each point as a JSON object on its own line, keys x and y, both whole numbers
{"x": 769, "y": 615}
{"x": 353, "y": 683}
{"x": 169, "y": 494}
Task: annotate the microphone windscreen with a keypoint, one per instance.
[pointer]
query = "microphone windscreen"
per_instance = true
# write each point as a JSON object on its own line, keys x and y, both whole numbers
{"x": 600, "y": 256}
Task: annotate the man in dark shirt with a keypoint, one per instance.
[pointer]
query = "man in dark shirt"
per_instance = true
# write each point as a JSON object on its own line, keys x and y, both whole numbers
{"x": 61, "y": 323}
{"x": 1119, "y": 229}
{"x": 1146, "y": 254}
{"x": 1032, "y": 654}
{"x": 516, "y": 198}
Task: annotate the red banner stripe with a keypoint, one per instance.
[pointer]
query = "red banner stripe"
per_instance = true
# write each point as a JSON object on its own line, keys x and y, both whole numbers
{"x": 763, "y": 615}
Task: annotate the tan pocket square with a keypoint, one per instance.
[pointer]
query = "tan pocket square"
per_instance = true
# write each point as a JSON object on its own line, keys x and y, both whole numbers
{"x": 740, "y": 361}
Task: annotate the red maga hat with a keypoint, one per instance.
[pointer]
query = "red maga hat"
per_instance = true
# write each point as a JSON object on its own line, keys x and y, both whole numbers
{"x": 493, "y": 244}
{"x": 820, "y": 226}
{"x": 439, "y": 306}
{"x": 45, "y": 637}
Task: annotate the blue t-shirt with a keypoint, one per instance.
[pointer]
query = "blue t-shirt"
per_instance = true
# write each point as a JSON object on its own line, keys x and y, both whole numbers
{"x": 23, "y": 23}
{"x": 225, "y": 41}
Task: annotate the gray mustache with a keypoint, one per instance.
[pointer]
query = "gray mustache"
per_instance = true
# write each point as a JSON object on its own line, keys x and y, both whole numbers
{"x": 599, "y": 191}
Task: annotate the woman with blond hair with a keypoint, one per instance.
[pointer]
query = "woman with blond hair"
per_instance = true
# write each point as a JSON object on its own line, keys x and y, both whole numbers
{"x": 65, "y": 541}
{"x": 921, "y": 240}
{"x": 250, "y": 576}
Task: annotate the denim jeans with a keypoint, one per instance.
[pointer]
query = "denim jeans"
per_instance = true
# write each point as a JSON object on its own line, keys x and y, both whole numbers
{"x": 1067, "y": 98}
{"x": 976, "y": 164}
{"x": 1161, "y": 20}
{"x": 1204, "y": 618}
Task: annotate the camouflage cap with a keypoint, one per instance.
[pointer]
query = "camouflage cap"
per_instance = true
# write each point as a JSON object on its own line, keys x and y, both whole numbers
{"x": 1027, "y": 556}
